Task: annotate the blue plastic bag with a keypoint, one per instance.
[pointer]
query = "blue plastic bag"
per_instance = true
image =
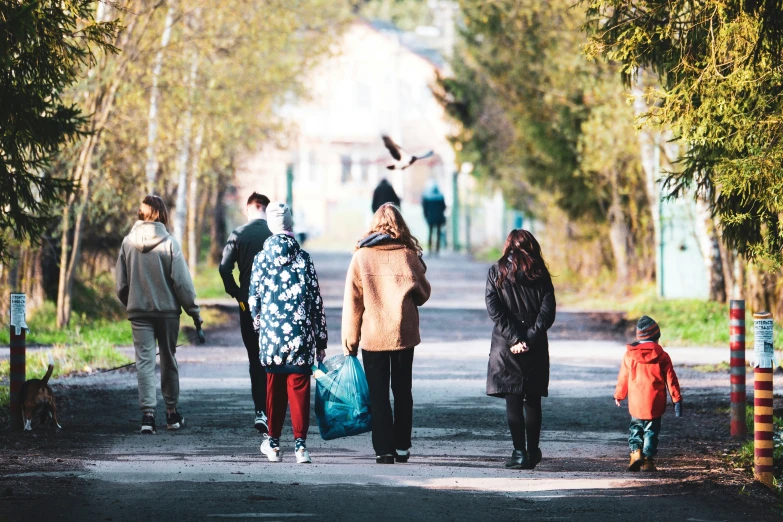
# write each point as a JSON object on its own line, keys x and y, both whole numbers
{"x": 342, "y": 398}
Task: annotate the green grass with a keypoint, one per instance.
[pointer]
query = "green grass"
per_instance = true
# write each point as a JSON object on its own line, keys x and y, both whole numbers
{"x": 84, "y": 328}
{"x": 68, "y": 360}
{"x": 683, "y": 322}
{"x": 208, "y": 283}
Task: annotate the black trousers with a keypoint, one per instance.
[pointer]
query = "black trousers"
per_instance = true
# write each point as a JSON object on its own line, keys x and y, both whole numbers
{"x": 436, "y": 229}
{"x": 524, "y": 417}
{"x": 257, "y": 372}
{"x": 389, "y": 432}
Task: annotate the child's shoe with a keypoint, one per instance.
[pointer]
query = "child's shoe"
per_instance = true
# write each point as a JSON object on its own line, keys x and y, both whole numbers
{"x": 636, "y": 460}
{"x": 649, "y": 464}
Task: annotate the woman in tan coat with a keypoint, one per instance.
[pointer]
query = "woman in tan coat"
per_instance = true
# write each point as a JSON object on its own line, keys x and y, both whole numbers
{"x": 384, "y": 288}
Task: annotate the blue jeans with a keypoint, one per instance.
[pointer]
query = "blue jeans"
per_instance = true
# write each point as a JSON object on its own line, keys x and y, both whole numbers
{"x": 643, "y": 435}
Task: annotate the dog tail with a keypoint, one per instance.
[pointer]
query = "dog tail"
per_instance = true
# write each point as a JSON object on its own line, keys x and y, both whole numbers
{"x": 48, "y": 371}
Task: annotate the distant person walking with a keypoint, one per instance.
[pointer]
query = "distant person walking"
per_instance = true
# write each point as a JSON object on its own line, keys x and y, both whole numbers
{"x": 434, "y": 206}
{"x": 385, "y": 285}
{"x": 154, "y": 285}
{"x": 384, "y": 193}
{"x": 288, "y": 314}
{"x": 241, "y": 249}
{"x": 521, "y": 302}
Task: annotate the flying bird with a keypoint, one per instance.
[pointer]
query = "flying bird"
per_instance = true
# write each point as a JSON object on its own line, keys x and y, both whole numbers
{"x": 402, "y": 160}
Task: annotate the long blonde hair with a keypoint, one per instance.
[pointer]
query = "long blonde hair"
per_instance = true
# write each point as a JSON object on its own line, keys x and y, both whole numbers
{"x": 388, "y": 220}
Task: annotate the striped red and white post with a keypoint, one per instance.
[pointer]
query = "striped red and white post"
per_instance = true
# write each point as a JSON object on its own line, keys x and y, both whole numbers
{"x": 737, "y": 361}
{"x": 18, "y": 348}
{"x": 762, "y": 397}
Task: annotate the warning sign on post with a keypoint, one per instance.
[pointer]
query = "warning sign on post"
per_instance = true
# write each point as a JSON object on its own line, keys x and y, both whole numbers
{"x": 18, "y": 313}
{"x": 763, "y": 340}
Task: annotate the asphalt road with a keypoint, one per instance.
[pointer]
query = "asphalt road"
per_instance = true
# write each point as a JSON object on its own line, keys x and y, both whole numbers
{"x": 97, "y": 468}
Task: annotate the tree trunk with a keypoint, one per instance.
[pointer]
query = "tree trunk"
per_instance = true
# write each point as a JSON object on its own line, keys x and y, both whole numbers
{"x": 151, "y": 168}
{"x": 619, "y": 232}
{"x": 193, "y": 242}
{"x": 728, "y": 261}
{"x": 709, "y": 244}
{"x": 181, "y": 206}
{"x": 99, "y": 107}
{"x": 217, "y": 231}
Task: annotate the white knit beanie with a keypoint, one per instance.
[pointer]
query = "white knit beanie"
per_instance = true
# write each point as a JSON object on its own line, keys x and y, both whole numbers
{"x": 279, "y": 219}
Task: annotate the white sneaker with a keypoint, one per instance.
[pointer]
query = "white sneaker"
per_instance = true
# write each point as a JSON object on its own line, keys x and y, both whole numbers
{"x": 271, "y": 448}
{"x": 302, "y": 455}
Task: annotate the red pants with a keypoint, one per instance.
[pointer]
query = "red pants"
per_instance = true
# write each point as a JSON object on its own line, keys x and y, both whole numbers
{"x": 282, "y": 389}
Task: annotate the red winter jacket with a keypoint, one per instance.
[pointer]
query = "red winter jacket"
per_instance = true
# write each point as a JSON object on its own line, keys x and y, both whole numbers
{"x": 646, "y": 372}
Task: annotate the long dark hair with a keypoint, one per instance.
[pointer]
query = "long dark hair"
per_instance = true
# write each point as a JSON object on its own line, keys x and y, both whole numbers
{"x": 522, "y": 253}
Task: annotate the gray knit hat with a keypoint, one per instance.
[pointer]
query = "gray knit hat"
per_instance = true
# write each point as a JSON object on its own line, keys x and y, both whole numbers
{"x": 278, "y": 217}
{"x": 647, "y": 329}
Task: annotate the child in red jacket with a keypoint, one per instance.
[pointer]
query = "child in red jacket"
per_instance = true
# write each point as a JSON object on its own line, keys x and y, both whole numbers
{"x": 645, "y": 374}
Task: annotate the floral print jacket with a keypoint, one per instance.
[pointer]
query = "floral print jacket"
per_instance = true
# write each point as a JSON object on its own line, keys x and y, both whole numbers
{"x": 286, "y": 306}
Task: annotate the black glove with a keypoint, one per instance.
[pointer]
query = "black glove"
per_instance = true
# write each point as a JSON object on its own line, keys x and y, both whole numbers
{"x": 678, "y": 409}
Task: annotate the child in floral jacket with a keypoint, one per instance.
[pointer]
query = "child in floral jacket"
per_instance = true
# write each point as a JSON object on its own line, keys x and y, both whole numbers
{"x": 645, "y": 374}
{"x": 288, "y": 314}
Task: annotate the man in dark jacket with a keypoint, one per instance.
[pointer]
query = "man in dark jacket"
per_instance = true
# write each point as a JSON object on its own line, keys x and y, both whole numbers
{"x": 434, "y": 206}
{"x": 242, "y": 246}
{"x": 384, "y": 193}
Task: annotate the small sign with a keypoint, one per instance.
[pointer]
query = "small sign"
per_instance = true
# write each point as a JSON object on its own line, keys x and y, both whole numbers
{"x": 762, "y": 340}
{"x": 19, "y": 312}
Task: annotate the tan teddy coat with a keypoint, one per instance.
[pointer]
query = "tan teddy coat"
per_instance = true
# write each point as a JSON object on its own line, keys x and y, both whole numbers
{"x": 383, "y": 290}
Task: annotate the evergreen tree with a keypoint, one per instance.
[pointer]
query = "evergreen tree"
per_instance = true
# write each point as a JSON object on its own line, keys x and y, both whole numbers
{"x": 44, "y": 45}
{"x": 718, "y": 65}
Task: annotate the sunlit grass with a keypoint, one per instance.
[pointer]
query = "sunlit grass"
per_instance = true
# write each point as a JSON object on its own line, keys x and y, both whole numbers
{"x": 208, "y": 283}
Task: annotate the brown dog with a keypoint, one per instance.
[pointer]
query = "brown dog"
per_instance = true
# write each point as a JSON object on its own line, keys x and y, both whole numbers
{"x": 37, "y": 395}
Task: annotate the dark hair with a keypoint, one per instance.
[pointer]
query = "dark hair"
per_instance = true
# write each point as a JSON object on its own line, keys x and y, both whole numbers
{"x": 258, "y": 200}
{"x": 522, "y": 253}
{"x": 154, "y": 209}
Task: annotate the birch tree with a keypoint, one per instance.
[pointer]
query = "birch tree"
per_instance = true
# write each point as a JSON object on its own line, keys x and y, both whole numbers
{"x": 151, "y": 169}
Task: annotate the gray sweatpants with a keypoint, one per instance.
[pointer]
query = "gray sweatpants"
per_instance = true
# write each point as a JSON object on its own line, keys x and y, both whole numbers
{"x": 145, "y": 331}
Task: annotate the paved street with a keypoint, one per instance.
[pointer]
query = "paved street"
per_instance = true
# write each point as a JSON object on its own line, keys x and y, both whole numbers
{"x": 97, "y": 468}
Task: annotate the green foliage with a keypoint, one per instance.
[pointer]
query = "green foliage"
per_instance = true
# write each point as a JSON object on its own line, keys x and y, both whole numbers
{"x": 718, "y": 64}
{"x": 405, "y": 14}
{"x": 44, "y": 46}
{"x": 548, "y": 125}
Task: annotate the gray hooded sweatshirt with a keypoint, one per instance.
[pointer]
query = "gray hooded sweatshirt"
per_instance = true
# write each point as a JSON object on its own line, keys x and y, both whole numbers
{"x": 152, "y": 277}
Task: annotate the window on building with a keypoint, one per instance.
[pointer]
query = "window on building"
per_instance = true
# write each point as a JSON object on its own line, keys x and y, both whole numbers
{"x": 345, "y": 160}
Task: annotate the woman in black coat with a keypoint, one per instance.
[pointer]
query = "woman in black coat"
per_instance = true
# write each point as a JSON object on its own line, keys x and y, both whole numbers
{"x": 521, "y": 302}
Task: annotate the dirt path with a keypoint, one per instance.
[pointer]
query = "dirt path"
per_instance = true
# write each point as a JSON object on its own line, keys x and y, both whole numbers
{"x": 97, "y": 468}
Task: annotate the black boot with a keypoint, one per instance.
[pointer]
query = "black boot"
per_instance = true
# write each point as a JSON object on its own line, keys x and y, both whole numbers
{"x": 518, "y": 460}
{"x": 534, "y": 458}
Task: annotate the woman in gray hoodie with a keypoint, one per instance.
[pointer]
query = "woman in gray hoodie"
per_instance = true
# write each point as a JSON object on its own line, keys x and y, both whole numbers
{"x": 154, "y": 284}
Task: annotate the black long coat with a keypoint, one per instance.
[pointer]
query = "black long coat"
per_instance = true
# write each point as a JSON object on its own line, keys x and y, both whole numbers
{"x": 523, "y": 311}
